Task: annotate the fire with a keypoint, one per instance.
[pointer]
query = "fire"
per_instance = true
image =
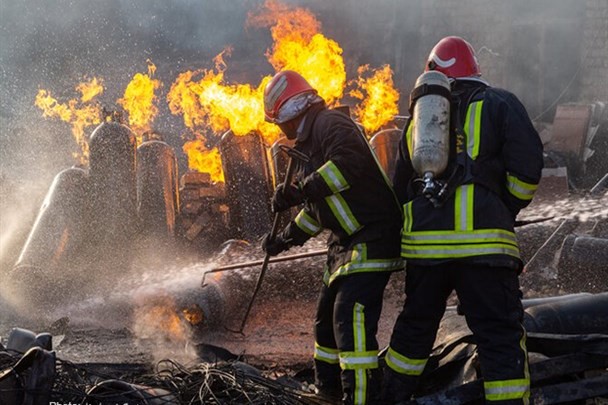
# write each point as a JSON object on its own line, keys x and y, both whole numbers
{"x": 380, "y": 98}
{"x": 300, "y": 46}
{"x": 210, "y": 105}
{"x": 159, "y": 316}
{"x": 139, "y": 101}
{"x": 78, "y": 114}
{"x": 204, "y": 160}
{"x": 207, "y": 103}
{"x": 89, "y": 90}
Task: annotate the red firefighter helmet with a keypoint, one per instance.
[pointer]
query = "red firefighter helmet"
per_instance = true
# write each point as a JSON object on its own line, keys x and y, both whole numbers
{"x": 282, "y": 87}
{"x": 454, "y": 57}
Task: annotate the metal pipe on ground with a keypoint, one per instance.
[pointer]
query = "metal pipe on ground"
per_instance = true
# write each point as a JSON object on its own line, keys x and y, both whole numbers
{"x": 579, "y": 314}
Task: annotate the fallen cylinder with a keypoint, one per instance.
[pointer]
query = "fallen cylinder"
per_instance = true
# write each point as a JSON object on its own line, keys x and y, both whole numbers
{"x": 582, "y": 315}
{"x": 583, "y": 264}
{"x": 157, "y": 189}
{"x": 248, "y": 184}
{"x": 385, "y": 145}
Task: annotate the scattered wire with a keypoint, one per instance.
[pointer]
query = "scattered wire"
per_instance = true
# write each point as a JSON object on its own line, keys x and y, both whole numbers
{"x": 168, "y": 382}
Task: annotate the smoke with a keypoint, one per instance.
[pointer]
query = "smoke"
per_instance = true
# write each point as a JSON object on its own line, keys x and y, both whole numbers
{"x": 534, "y": 49}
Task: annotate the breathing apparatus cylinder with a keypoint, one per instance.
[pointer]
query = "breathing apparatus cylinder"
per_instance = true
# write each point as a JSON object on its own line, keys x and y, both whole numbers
{"x": 430, "y": 147}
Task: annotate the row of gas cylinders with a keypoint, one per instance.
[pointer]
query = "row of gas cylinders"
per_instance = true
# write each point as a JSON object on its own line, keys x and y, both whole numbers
{"x": 251, "y": 171}
{"x": 94, "y": 214}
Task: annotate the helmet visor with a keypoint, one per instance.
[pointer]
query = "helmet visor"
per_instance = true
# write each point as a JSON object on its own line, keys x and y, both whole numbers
{"x": 296, "y": 106}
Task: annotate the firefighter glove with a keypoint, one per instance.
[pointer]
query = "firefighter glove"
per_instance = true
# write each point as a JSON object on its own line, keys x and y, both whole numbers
{"x": 286, "y": 197}
{"x": 274, "y": 246}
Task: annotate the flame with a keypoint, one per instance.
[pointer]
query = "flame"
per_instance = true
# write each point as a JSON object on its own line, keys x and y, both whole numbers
{"x": 204, "y": 160}
{"x": 208, "y": 104}
{"x": 89, "y": 90}
{"x": 78, "y": 114}
{"x": 159, "y": 316}
{"x": 381, "y": 103}
{"x": 139, "y": 101}
{"x": 299, "y": 46}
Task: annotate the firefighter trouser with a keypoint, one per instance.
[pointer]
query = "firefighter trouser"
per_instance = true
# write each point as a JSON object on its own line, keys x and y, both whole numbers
{"x": 491, "y": 302}
{"x": 346, "y": 350}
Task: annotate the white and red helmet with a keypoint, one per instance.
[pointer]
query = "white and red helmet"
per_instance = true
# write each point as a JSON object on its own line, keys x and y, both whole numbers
{"x": 454, "y": 57}
{"x": 286, "y": 95}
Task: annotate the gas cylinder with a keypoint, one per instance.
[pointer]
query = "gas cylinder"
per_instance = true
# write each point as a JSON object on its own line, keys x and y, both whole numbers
{"x": 112, "y": 172}
{"x": 157, "y": 191}
{"x": 248, "y": 184}
{"x": 385, "y": 145}
{"x": 431, "y": 126}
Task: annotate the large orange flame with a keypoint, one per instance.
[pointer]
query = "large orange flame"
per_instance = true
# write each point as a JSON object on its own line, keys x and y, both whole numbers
{"x": 380, "y": 98}
{"x": 204, "y": 160}
{"x": 78, "y": 114}
{"x": 209, "y": 105}
{"x": 299, "y": 46}
{"x": 139, "y": 101}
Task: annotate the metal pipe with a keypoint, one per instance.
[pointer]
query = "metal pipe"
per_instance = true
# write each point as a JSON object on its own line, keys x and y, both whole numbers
{"x": 272, "y": 260}
{"x": 271, "y": 236}
{"x": 582, "y": 315}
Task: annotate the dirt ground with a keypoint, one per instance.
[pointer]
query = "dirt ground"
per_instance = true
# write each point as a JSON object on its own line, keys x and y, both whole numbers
{"x": 114, "y": 326}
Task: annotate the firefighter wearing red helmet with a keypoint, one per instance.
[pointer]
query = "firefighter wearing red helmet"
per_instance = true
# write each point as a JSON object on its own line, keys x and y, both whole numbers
{"x": 345, "y": 192}
{"x": 464, "y": 240}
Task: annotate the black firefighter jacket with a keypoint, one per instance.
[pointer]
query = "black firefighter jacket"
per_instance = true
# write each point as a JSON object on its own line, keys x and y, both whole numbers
{"x": 347, "y": 193}
{"x": 504, "y": 159}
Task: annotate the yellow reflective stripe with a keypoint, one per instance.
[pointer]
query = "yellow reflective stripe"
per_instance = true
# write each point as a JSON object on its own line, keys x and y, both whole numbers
{"x": 403, "y": 364}
{"x": 407, "y": 217}
{"x": 463, "y": 208}
{"x": 326, "y": 354}
{"x": 359, "y": 327}
{"x": 447, "y": 251}
{"x": 333, "y": 177}
{"x": 355, "y": 360}
{"x": 307, "y": 223}
{"x": 367, "y": 266}
{"x": 502, "y": 390}
{"x": 359, "y": 264}
{"x": 472, "y": 128}
{"x": 410, "y": 140}
{"x": 520, "y": 189}
{"x": 343, "y": 214}
{"x": 459, "y": 237}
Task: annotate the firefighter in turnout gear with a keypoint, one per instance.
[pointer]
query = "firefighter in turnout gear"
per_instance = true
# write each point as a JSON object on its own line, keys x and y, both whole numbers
{"x": 343, "y": 190}
{"x": 464, "y": 239}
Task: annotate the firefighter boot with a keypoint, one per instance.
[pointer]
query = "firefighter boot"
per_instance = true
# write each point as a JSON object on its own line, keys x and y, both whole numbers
{"x": 397, "y": 388}
{"x": 362, "y": 386}
{"x": 327, "y": 381}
